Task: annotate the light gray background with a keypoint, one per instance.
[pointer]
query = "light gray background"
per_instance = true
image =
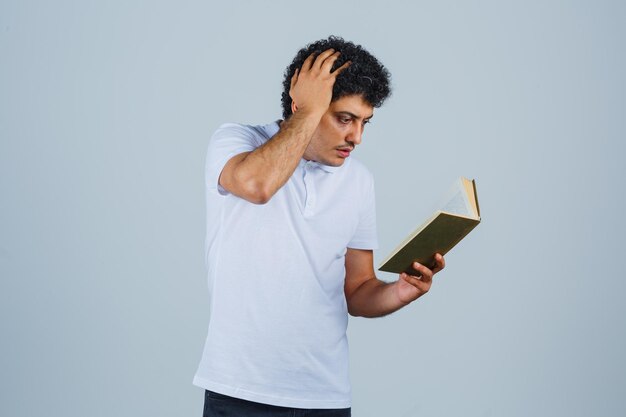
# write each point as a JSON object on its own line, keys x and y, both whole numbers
{"x": 105, "y": 113}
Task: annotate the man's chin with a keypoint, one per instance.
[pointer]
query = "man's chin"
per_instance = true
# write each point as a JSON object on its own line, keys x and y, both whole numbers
{"x": 336, "y": 162}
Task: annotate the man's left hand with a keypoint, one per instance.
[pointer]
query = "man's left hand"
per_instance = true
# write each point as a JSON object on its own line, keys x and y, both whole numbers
{"x": 410, "y": 287}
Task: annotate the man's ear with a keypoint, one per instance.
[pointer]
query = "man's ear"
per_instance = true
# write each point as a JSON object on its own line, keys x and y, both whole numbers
{"x": 294, "y": 108}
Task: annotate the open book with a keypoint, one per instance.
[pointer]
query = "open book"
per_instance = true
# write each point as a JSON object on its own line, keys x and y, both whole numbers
{"x": 459, "y": 215}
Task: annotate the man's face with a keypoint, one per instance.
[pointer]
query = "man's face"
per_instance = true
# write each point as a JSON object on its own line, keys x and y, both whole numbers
{"x": 339, "y": 131}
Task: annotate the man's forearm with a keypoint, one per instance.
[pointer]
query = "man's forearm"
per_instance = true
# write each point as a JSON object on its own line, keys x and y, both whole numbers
{"x": 278, "y": 158}
{"x": 258, "y": 175}
{"x": 374, "y": 298}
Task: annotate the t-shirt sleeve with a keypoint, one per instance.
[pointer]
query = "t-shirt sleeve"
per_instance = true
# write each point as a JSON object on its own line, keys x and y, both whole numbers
{"x": 366, "y": 236}
{"x": 229, "y": 140}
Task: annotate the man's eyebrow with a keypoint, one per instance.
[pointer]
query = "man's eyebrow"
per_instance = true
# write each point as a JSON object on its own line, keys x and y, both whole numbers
{"x": 354, "y": 116}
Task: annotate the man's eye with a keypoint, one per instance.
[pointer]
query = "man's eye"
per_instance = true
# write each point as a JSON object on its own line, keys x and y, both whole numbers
{"x": 344, "y": 120}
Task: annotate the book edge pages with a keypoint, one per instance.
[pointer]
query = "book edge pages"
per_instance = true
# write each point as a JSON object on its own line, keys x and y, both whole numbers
{"x": 468, "y": 195}
{"x": 476, "y": 197}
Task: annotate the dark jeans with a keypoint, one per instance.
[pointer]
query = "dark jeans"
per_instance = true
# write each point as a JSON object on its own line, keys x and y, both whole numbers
{"x": 218, "y": 405}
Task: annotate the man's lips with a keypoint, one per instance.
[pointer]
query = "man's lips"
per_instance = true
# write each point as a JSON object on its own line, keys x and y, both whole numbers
{"x": 345, "y": 151}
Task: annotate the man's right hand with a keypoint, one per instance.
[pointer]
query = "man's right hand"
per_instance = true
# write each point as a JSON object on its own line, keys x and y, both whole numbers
{"x": 312, "y": 85}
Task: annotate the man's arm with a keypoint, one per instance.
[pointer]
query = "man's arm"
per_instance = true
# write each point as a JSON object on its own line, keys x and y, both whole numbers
{"x": 257, "y": 175}
{"x": 368, "y": 296}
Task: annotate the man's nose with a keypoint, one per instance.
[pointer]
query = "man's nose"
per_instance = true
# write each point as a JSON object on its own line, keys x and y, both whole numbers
{"x": 355, "y": 133}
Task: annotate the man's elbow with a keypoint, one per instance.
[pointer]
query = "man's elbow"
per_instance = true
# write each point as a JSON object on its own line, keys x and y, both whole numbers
{"x": 365, "y": 312}
{"x": 354, "y": 312}
{"x": 253, "y": 189}
{"x": 258, "y": 199}
{"x": 258, "y": 194}
{"x": 354, "y": 309}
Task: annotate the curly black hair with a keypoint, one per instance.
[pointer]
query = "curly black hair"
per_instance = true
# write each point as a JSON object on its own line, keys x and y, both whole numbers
{"x": 365, "y": 76}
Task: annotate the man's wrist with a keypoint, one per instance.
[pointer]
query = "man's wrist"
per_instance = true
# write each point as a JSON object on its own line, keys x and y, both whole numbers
{"x": 396, "y": 291}
{"x": 309, "y": 114}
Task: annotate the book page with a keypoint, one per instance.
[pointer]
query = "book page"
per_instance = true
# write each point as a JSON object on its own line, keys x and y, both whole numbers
{"x": 470, "y": 192}
{"x": 456, "y": 201}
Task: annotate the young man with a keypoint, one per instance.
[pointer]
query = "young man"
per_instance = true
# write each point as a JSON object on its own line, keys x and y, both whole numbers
{"x": 290, "y": 232}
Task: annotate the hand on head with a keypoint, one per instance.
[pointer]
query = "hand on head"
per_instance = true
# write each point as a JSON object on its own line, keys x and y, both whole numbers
{"x": 312, "y": 85}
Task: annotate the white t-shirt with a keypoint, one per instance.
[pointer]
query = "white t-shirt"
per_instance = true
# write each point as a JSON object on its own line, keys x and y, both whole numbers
{"x": 278, "y": 315}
